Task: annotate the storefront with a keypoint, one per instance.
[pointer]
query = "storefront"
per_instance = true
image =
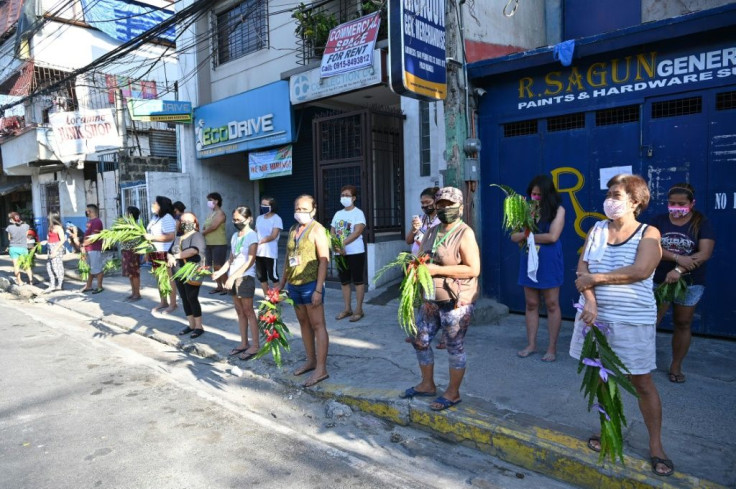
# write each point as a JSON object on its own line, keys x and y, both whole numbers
{"x": 658, "y": 100}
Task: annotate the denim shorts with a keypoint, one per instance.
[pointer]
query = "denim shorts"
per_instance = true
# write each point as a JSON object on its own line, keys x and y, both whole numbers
{"x": 302, "y": 294}
{"x": 693, "y": 294}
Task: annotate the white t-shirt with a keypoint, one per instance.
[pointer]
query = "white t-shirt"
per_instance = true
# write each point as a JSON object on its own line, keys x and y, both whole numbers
{"x": 344, "y": 223}
{"x": 159, "y": 226}
{"x": 264, "y": 228}
{"x": 239, "y": 246}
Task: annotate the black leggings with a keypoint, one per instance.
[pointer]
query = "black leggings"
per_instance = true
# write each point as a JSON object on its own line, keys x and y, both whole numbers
{"x": 189, "y": 298}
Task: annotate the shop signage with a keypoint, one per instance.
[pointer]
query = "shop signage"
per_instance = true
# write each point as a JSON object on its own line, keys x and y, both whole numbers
{"x": 634, "y": 75}
{"x": 310, "y": 86}
{"x": 269, "y": 164}
{"x": 160, "y": 110}
{"x": 350, "y": 45}
{"x": 417, "y": 48}
{"x": 84, "y": 132}
{"x": 255, "y": 119}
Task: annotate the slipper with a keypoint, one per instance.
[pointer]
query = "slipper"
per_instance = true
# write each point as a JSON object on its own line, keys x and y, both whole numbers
{"x": 216, "y": 291}
{"x": 186, "y": 330}
{"x": 356, "y": 317}
{"x": 299, "y": 372}
{"x": 196, "y": 333}
{"x": 592, "y": 443}
{"x": 343, "y": 315}
{"x": 412, "y": 392}
{"x": 549, "y": 357}
{"x": 97, "y": 291}
{"x": 245, "y": 356}
{"x": 313, "y": 382}
{"x": 443, "y": 403}
{"x": 237, "y": 351}
{"x": 224, "y": 292}
{"x": 677, "y": 378}
{"x": 664, "y": 461}
{"x": 525, "y": 353}
{"x": 84, "y": 291}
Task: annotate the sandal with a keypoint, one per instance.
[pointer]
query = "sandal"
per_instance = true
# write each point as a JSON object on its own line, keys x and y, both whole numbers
{"x": 343, "y": 315}
{"x": 442, "y": 403}
{"x": 594, "y": 443}
{"x": 664, "y": 461}
{"x": 412, "y": 392}
{"x": 677, "y": 378}
{"x": 356, "y": 317}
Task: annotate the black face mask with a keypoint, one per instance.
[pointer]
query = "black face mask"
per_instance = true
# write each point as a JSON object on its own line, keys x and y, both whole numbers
{"x": 429, "y": 210}
{"x": 187, "y": 227}
{"x": 240, "y": 225}
{"x": 86, "y": 213}
{"x": 448, "y": 215}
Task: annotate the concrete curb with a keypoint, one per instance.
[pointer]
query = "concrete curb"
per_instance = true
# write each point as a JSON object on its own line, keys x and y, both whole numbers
{"x": 522, "y": 440}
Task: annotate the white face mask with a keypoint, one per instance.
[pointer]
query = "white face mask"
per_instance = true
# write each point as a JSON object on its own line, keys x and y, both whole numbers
{"x": 615, "y": 209}
{"x": 346, "y": 201}
{"x": 303, "y": 217}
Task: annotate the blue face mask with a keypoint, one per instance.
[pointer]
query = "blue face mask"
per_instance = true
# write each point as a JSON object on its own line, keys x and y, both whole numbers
{"x": 265, "y": 209}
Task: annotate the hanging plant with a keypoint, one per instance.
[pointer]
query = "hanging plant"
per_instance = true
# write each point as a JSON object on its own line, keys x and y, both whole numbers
{"x": 314, "y": 26}
{"x": 271, "y": 326}
{"x": 518, "y": 214}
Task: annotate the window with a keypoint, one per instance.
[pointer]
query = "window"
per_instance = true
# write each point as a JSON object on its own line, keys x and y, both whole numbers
{"x": 425, "y": 141}
{"x": 566, "y": 122}
{"x": 522, "y": 128}
{"x": 678, "y": 107}
{"x": 726, "y": 101}
{"x": 617, "y": 115}
{"x": 242, "y": 30}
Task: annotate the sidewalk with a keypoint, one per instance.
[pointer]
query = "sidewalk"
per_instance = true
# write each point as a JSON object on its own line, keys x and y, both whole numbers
{"x": 524, "y": 411}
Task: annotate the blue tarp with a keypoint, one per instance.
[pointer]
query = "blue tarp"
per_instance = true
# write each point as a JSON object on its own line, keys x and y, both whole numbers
{"x": 124, "y": 20}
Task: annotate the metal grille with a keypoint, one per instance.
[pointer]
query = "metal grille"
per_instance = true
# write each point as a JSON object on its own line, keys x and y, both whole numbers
{"x": 242, "y": 30}
{"x": 341, "y": 138}
{"x": 521, "y": 128}
{"x": 163, "y": 144}
{"x": 566, "y": 122}
{"x": 678, "y": 107}
{"x": 137, "y": 196}
{"x": 388, "y": 174}
{"x": 617, "y": 115}
{"x": 726, "y": 101}
{"x": 107, "y": 162}
{"x": 425, "y": 141}
{"x": 51, "y": 198}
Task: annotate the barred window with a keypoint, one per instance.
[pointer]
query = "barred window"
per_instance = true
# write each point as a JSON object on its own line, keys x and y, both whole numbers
{"x": 617, "y": 115}
{"x": 566, "y": 122}
{"x": 522, "y": 128}
{"x": 726, "y": 101}
{"x": 678, "y": 107}
{"x": 242, "y": 30}
{"x": 425, "y": 142}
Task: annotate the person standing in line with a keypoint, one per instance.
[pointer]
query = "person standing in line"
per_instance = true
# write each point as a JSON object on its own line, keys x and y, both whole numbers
{"x": 454, "y": 267}
{"x": 687, "y": 243}
{"x": 615, "y": 283}
{"x": 547, "y": 279}
{"x": 241, "y": 281}
{"x": 305, "y": 272}
{"x": 131, "y": 260}
{"x": 179, "y": 209}
{"x": 93, "y": 250}
{"x": 18, "y": 237}
{"x": 161, "y": 233}
{"x": 55, "y": 241}
{"x": 268, "y": 227}
{"x": 348, "y": 224}
{"x": 216, "y": 239}
{"x": 188, "y": 248}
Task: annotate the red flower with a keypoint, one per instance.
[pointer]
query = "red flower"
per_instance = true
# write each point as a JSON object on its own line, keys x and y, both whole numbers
{"x": 273, "y": 296}
{"x": 271, "y": 335}
{"x": 269, "y": 318}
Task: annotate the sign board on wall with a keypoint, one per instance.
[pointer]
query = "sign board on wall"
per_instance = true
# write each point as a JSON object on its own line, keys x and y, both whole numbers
{"x": 160, "y": 110}
{"x": 417, "y": 51}
{"x": 269, "y": 164}
{"x": 350, "y": 45}
{"x": 309, "y": 85}
{"x": 84, "y": 132}
{"x": 255, "y": 119}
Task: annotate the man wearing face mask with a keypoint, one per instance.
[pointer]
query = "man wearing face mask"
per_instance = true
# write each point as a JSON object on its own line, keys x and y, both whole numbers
{"x": 93, "y": 250}
{"x": 348, "y": 224}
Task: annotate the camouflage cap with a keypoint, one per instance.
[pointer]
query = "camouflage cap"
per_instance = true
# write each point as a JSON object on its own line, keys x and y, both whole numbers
{"x": 452, "y": 194}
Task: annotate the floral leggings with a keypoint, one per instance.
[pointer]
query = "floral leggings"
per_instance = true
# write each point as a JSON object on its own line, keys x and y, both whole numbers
{"x": 453, "y": 321}
{"x": 55, "y": 269}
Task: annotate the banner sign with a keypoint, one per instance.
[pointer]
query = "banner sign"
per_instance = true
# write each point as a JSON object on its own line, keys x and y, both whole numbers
{"x": 126, "y": 19}
{"x": 160, "y": 110}
{"x": 255, "y": 119}
{"x": 308, "y": 85}
{"x": 269, "y": 164}
{"x": 84, "y": 132}
{"x": 145, "y": 89}
{"x": 416, "y": 32}
{"x": 350, "y": 45}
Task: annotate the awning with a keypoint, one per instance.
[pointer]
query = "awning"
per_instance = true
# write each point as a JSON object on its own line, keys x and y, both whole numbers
{"x": 10, "y": 187}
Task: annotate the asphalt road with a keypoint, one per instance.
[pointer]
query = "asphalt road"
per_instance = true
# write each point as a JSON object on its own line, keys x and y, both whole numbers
{"x": 84, "y": 405}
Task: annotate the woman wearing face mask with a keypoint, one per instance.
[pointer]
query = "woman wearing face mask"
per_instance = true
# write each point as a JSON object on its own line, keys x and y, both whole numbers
{"x": 17, "y": 236}
{"x": 161, "y": 233}
{"x": 547, "y": 279}
{"x": 268, "y": 227}
{"x": 305, "y": 271}
{"x": 241, "y": 280}
{"x": 615, "y": 283}
{"x": 454, "y": 266}
{"x": 421, "y": 224}
{"x": 216, "y": 239}
{"x": 687, "y": 244}
{"x": 188, "y": 248}
{"x": 348, "y": 224}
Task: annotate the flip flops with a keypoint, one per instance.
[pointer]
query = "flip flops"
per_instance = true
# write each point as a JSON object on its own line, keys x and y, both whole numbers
{"x": 237, "y": 351}
{"x": 677, "y": 378}
{"x": 412, "y": 392}
{"x": 343, "y": 315}
{"x": 97, "y": 291}
{"x": 664, "y": 461}
{"x": 442, "y": 403}
{"x": 356, "y": 317}
{"x": 313, "y": 382}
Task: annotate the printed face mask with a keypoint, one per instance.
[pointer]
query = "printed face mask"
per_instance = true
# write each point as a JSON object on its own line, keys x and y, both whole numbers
{"x": 536, "y": 197}
{"x": 677, "y": 212}
{"x": 615, "y": 209}
{"x": 302, "y": 217}
{"x": 265, "y": 209}
{"x": 187, "y": 227}
{"x": 448, "y": 214}
{"x": 346, "y": 201}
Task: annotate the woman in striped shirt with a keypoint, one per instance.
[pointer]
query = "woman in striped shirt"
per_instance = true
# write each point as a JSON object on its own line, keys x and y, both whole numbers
{"x": 615, "y": 282}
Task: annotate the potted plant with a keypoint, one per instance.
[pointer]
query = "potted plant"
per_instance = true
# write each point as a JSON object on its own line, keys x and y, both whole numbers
{"x": 313, "y": 26}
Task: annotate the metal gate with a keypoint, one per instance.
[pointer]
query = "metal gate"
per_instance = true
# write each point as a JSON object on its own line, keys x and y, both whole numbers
{"x": 136, "y": 195}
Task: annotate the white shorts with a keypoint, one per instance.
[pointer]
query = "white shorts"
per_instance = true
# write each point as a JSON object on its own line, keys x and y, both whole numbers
{"x": 635, "y": 344}
{"x": 94, "y": 260}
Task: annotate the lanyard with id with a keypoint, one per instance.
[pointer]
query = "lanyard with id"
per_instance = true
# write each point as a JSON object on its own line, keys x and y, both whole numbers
{"x": 436, "y": 244}
{"x": 294, "y": 260}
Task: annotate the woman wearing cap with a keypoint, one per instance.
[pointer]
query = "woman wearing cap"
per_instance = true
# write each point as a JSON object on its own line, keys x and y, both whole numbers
{"x": 454, "y": 266}
{"x": 687, "y": 243}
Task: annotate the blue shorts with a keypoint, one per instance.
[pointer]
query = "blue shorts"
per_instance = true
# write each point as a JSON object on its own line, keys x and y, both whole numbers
{"x": 693, "y": 294}
{"x": 302, "y": 294}
{"x": 16, "y": 252}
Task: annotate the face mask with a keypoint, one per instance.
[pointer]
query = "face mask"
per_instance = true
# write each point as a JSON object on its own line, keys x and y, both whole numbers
{"x": 429, "y": 210}
{"x": 678, "y": 212}
{"x": 346, "y": 201}
{"x": 303, "y": 217}
{"x": 614, "y": 209}
{"x": 536, "y": 197}
{"x": 265, "y": 209}
{"x": 86, "y": 213}
{"x": 240, "y": 225}
{"x": 448, "y": 214}
{"x": 211, "y": 204}
{"x": 187, "y": 227}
